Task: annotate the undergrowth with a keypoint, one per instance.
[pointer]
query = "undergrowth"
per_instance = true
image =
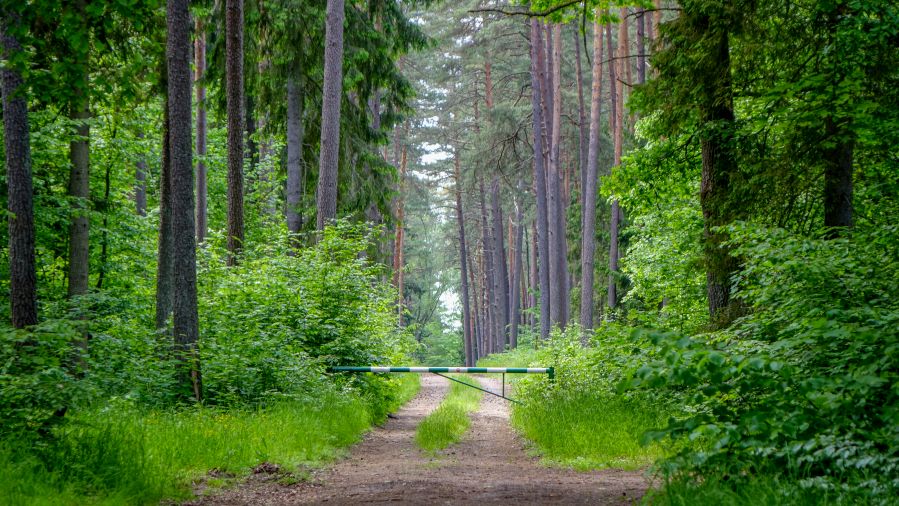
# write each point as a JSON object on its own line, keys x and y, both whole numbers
{"x": 448, "y": 423}
{"x": 122, "y": 454}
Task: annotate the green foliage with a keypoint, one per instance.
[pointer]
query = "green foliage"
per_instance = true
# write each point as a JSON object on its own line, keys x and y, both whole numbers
{"x": 805, "y": 386}
{"x": 448, "y": 423}
{"x": 37, "y": 379}
{"x": 580, "y": 419}
{"x": 122, "y": 454}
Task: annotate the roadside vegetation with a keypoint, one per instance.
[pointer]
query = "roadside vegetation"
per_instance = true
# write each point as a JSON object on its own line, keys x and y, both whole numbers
{"x": 449, "y": 422}
{"x": 125, "y": 440}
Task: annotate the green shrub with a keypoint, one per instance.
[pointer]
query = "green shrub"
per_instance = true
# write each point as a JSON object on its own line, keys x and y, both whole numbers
{"x": 805, "y": 386}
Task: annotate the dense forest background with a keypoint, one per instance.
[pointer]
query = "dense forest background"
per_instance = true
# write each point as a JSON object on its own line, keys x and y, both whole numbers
{"x": 689, "y": 209}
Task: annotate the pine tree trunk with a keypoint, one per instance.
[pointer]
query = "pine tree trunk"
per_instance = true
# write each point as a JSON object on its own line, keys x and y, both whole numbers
{"x": 186, "y": 322}
{"x": 17, "y": 143}
{"x": 583, "y": 127}
{"x": 164, "y": 273}
{"x": 588, "y": 233}
{"x": 398, "y": 260}
{"x": 557, "y": 266}
{"x": 235, "y": 102}
{"x": 837, "y": 179}
{"x": 467, "y": 338}
{"x": 515, "y": 283}
{"x": 641, "y": 47}
{"x": 617, "y": 119}
{"x": 330, "y": 131}
{"x": 140, "y": 183}
{"x": 718, "y": 166}
{"x": 490, "y": 300}
{"x": 500, "y": 270}
{"x": 295, "y": 127}
{"x": 533, "y": 282}
{"x": 200, "y": 65}
{"x": 542, "y": 238}
{"x": 79, "y": 188}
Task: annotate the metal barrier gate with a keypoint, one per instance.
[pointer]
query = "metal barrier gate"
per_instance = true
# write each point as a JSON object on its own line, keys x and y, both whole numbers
{"x": 440, "y": 371}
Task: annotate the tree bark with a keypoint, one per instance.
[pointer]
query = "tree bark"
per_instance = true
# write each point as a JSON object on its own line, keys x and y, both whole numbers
{"x": 588, "y": 243}
{"x": 295, "y": 102}
{"x": 718, "y": 164}
{"x": 235, "y": 103}
{"x": 79, "y": 190}
{"x": 558, "y": 270}
{"x": 186, "y": 322}
{"x": 164, "y": 273}
{"x": 583, "y": 127}
{"x": 515, "y": 283}
{"x": 533, "y": 282}
{"x": 17, "y": 143}
{"x": 500, "y": 270}
{"x": 200, "y": 64}
{"x": 330, "y": 131}
{"x": 837, "y": 179}
{"x": 140, "y": 183}
{"x": 540, "y": 183}
{"x": 641, "y": 46}
{"x": 490, "y": 266}
{"x": 467, "y": 338}
{"x": 398, "y": 260}
{"x": 617, "y": 99}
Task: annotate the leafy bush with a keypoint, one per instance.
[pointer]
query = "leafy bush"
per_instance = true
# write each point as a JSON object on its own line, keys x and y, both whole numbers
{"x": 805, "y": 385}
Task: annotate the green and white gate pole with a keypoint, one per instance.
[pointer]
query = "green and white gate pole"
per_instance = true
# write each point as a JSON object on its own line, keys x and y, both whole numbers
{"x": 440, "y": 371}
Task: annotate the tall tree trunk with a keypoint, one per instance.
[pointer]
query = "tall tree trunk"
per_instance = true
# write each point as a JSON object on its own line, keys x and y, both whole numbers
{"x": 164, "y": 273}
{"x": 837, "y": 178}
{"x": 490, "y": 266}
{"x": 252, "y": 152}
{"x": 533, "y": 282}
{"x": 140, "y": 183}
{"x": 235, "y": 103}
{"x": 488, "y": 85}
{"x": 583, "y": 127}
{"x": 540, "y": 183}
{"x": 79, "y": 189}
{"x": 500, "y": 271}
{"x": 295, "y": 102}
{"x": 657, "y": 18}
{"x": 398, "y": 260}
{"x": 515, "y": 283}
{"x": 588, "y": 234}
{"x": 463, "y": 261}
{"x": 186, "y": 322}
{"x": 624, "y": 49}
{"x": 641, "y": 47}
{"x": 200, "y": 64}
{"x": 330, "y": 131}
{"x": 617, "y": 113}
{"x": 718, "y": 164}
{"x": 558, "y": 269}
{"x": 17, "y": 143}
{"x": 477, "y": 317}
{"x": 104, "y": 208}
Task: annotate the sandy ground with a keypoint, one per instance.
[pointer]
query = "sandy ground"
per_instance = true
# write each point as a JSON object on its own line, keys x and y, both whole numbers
{"x": 489, "y": 466}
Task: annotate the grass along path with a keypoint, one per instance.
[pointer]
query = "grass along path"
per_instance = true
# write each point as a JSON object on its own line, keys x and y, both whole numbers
{"x": 122, "y": 455}
{"x": 487, "y": 466}
{"x": 448, "y": 423}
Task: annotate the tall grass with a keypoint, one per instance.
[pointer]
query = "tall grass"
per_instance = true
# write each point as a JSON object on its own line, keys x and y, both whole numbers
{"x": 124, "y": 455}
{"x": 590, "y": 431}
{"x": 448, "y": 423}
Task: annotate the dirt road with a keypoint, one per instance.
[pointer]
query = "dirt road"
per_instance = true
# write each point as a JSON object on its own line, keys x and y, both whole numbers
{"x": 489, "y": 466}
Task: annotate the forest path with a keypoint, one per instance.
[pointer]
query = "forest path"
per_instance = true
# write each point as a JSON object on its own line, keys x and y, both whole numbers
{"x": 489, "y": 466}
